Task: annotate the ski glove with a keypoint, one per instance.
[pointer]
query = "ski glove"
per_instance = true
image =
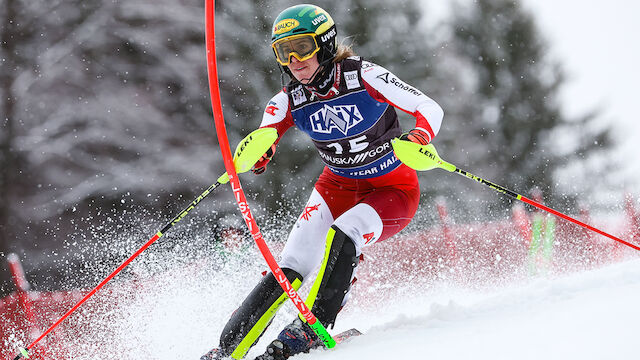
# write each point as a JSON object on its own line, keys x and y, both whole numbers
{"x": 261, "y": 165}
{"x": 417, "y": 136}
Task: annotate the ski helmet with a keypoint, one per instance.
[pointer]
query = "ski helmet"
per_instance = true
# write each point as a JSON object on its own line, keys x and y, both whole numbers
{"x": 302, "y": 31}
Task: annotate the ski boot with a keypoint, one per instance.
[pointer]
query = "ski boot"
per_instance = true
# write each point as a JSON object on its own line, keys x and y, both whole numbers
{"x": 295, "y": 338}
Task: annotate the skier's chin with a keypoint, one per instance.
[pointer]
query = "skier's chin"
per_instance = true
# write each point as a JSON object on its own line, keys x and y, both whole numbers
{"x": 305, "y": 79}
{"x": 305, "y": 76}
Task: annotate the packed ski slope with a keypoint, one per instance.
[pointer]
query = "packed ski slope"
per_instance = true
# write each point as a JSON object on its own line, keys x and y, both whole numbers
{"x": 590, "y": 315}
{"x": 175, "y": 309}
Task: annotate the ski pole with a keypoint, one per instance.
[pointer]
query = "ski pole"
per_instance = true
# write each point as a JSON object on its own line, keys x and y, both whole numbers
{"x": 250, "y": 149}
{"x": 250, "y": 221}
{"x": 425, "y": 157}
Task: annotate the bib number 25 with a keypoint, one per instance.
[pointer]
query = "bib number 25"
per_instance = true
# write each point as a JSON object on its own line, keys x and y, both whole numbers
{"x": 355, "y": 145}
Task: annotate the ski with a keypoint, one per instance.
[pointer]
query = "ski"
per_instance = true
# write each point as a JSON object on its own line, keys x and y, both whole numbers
{"x": 346, "y": 335}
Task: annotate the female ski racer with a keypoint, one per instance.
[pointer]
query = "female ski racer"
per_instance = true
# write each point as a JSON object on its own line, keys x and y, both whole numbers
{"x": 364, "y": 195}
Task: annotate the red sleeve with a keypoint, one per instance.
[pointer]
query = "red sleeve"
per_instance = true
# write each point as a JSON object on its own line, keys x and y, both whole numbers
{"x": 277, "y": 114}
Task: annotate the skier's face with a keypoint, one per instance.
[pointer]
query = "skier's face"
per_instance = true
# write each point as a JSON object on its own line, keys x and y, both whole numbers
{"x": 304, "y": 71}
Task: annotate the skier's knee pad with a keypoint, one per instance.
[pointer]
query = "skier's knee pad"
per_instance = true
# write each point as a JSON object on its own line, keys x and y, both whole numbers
{"x": 250, "y": 320}
{"x": 334, "y": 278}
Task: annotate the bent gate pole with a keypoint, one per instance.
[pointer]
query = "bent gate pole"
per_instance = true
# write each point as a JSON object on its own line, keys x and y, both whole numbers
{"x": 239, "y": 195}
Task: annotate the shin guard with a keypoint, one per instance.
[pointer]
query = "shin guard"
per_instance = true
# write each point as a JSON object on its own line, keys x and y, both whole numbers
{"x": 250, "y": 320}
{"x": 334, "y": 278}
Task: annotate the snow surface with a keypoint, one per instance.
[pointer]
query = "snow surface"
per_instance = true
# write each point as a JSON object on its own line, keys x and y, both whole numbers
{"x": 590, "y": 315}
{"x": 177, "y": 307}
{"x": 587, "y": 315}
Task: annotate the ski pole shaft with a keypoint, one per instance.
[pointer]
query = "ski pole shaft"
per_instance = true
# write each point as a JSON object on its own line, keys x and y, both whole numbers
{"x": 425, "y": 157}
{"x": 250, "y": 221}
{"x": 158, "y": 235}
{"x": 526, "y": 200}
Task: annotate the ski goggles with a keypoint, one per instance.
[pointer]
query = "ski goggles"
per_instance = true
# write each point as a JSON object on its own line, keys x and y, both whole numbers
{"x": 302, "y": 46}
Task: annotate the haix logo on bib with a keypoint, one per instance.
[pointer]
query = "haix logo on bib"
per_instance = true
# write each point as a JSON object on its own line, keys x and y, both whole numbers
{"x": 341, "y": 117}
{"x": 285, "y": 25}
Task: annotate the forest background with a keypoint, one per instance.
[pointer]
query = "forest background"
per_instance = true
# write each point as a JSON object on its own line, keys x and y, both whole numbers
{"x": 107, "y": 130}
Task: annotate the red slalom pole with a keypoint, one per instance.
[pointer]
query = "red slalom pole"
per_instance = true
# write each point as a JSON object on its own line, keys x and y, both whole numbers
{"x": 158, "y": 235}
{"x": 575, "y": 221}
{"x": 239, "y": 195}
{"x": 425, "y": 157}
{"x": 514, "y": 195}
{"x": 90, "y": 294}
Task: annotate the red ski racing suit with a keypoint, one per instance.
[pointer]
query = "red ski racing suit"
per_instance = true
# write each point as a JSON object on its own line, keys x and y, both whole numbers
{"x": 364, "y": 195}
{"x": 364, "y": 190}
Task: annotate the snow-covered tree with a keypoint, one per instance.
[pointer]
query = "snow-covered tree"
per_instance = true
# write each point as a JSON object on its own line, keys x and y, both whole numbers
{"x": 107, "y": 107}
{"x": 504, "y": 115}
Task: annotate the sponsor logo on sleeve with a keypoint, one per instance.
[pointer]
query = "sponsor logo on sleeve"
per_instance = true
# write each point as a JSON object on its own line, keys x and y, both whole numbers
{"x": 390, "y": 79}
{"x": 384, "y": 77}
{"x": 366, "y": 67}
{"x": 271, "y": 108}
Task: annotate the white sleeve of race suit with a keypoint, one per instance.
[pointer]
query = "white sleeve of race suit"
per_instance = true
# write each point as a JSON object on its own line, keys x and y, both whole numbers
{"x": 276, "y": 111}
{"x": 403, "y": 96}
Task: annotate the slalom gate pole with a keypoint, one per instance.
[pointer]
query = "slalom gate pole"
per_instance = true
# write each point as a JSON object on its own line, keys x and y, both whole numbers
{"x": 158, "y": 235}
{"x": 525, "y": 199}
{"x": 239, "y": 195}
{"x": 248, "y": 151}
{"x": 425, "y": 157}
